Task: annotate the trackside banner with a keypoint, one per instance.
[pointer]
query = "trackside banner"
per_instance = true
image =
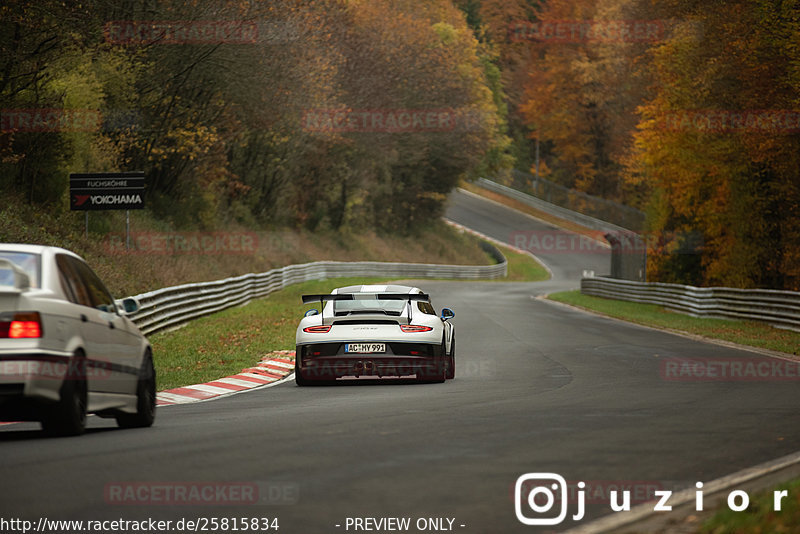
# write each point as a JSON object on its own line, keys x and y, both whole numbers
{"x": 106, "y": 191}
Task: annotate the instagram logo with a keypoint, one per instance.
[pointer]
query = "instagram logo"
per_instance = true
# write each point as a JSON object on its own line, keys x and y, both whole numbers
{"x": 541, "y": 493}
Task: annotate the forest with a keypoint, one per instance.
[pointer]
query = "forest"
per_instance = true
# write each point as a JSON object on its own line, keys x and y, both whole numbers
{"x": 687, "y": 109}
{"x": 351, "y": 114}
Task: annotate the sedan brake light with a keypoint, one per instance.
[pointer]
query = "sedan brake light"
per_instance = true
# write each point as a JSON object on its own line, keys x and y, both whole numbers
{"x": 21, "y": 326}
{"x": 322, "y": 329}
{"x": 412, "y": 328}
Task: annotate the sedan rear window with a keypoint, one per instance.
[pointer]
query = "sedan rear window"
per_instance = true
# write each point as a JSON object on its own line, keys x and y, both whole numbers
{"x": 30, "y": 263}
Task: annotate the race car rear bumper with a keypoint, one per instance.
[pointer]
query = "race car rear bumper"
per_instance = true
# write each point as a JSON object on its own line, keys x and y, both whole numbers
{"x": 327, "y": 361}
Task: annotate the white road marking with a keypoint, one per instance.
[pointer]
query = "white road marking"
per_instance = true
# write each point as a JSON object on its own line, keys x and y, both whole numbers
{"x": 208, "y": 389}
{"x": 260, "y": 377}
{"x": 285, "y": 365}
{"x": 236, "y": 382}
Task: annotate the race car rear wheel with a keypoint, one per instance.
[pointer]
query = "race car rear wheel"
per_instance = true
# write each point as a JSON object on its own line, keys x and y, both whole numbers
{"x": 298, "y": 378}
{"x": 298, "y": 374}
{"x": 451, "y": 360}
{"x": 439, "y": 372}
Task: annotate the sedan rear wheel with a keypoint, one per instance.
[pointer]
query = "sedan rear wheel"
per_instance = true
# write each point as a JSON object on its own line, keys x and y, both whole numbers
{"x": 68, "y": 416}
{"x": 145, "y": 398}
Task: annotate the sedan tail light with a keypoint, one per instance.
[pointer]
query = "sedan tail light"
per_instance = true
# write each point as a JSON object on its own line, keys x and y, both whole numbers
{"x": 322, "y": 329}
{"x": 412, "y": 328}
{"x": 21, "y": 325}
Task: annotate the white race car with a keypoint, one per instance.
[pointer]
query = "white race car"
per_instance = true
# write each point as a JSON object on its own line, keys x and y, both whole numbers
{"x": 376, "y": 331}
{"x": 66, "y": 348}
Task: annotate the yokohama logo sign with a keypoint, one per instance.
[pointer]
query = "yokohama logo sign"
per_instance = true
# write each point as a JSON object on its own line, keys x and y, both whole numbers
{"x": 106, "y": 191}
{"x": 96, "y": 200}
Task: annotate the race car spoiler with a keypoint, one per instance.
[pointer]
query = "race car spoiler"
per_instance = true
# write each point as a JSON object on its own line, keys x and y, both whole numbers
{"x": 424, "y": 297}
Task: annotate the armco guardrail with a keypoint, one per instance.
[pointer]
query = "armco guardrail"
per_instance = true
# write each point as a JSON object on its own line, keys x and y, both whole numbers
{"x": 552, "y": 209}
{"x": 572, "y": 199}
{"x": 779, "y": 308}
{"x": 628, "y": 259}
{"x": 173, "y": 306}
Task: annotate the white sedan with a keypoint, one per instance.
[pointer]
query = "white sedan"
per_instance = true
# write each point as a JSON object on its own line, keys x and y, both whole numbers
{"x": 376, "y": 331}
{"x": 66, "y": 348}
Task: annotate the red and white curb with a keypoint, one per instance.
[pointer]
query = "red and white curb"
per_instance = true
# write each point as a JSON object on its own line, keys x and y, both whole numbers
{"x": 274, "y": 367}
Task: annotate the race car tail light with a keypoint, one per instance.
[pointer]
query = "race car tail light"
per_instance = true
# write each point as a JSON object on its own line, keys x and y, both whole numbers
{"x": 321, "y": 329}
{"x": 413, "y": 328}
{"x": 21, "y": 326}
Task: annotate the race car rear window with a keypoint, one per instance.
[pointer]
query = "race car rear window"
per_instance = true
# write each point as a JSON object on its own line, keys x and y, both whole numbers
{"x": 368, "y": 303}
{"x": 30, "y": 263}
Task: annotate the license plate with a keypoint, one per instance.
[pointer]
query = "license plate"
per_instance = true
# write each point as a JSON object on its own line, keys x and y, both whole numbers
{"x": 365, "y": 348}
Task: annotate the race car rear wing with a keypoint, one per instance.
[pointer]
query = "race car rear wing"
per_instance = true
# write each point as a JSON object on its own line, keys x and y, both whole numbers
{"x": 378, "y": 296}
{"x": 423, "y": 297}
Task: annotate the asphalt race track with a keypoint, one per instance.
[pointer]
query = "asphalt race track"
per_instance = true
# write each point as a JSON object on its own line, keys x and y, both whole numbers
{"x": 539, "y": 388}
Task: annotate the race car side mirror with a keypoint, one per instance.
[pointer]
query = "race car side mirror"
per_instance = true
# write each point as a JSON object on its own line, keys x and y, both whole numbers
{"x": 447, "y": 313}
{"x": 312, "y": 311}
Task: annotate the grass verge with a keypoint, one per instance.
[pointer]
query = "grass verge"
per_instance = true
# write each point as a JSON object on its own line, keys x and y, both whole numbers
{"x": 760, "y": 516}
{"x": 751, "y": 333}
{"x": 522, "y": 267}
